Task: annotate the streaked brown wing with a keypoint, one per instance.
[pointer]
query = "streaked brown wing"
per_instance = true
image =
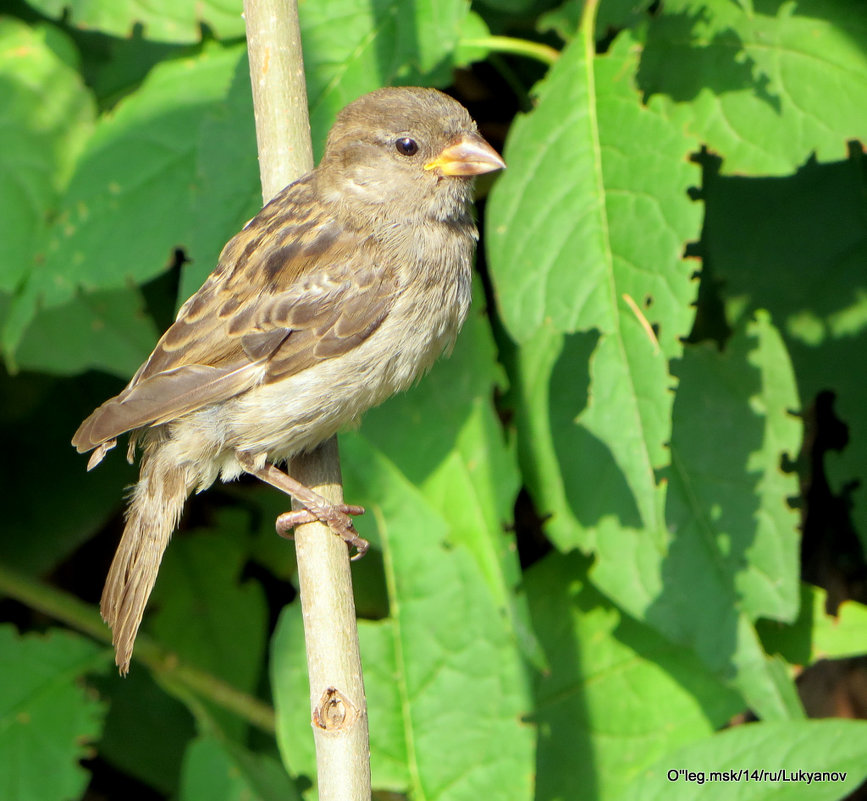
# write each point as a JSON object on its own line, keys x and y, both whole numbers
{"x": 328, "y": 319}
{"x": 161, "y": 398}
{"x": 275, "y": 253}
{"x": 259, "y": 316}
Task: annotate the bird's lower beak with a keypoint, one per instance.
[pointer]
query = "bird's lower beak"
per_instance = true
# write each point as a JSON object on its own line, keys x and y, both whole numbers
{"x": 469, "y": 155}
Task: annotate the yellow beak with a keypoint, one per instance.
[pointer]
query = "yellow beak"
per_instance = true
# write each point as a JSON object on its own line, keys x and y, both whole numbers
{"x": 468, "y": 155}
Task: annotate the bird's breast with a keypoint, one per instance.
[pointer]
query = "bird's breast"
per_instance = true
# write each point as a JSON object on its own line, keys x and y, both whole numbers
{"x": 295, "y": 414}
{"x": 435, "y": 277}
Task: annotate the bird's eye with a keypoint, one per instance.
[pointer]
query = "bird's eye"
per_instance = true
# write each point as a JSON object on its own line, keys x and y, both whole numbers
{"x": 406, "y": 146}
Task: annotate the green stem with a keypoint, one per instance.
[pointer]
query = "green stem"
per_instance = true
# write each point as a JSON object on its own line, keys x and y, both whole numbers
{"x": 588, "y": 18}
{"x": 518, "y": 47}
{"x": 79, "y": 615}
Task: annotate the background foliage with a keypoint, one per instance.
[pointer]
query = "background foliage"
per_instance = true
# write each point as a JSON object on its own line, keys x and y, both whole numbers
{"x": 601, "y": 529}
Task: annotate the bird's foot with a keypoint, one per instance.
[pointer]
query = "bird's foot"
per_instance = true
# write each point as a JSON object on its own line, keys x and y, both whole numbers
{"x": 316, "y": 508}
{"x": 335, "y": 516}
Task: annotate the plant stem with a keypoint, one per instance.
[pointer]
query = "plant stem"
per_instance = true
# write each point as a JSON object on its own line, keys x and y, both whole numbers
{"x": 337, "y": 701}
{"x": 588, "y": 19}
{"x": 81, "y": 616}
{"x": 518, "y": 47}
{"x": 279, "y": 93}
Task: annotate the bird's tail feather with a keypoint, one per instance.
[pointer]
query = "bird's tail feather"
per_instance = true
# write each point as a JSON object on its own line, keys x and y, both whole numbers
{"x": 155, "y": 507}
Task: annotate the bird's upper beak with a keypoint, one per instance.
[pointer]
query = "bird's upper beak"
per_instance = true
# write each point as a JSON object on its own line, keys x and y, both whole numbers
{"x": 467, "y": 155}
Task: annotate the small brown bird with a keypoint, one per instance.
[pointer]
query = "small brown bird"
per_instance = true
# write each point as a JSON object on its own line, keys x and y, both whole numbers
{"x": 342, "y": 291}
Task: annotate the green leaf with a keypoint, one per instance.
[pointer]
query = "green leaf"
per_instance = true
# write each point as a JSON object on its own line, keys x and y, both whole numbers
{"x": 115, "y": 68}
{"x": 564, "y": 20}
{"x": 215, "y": 770}
{"x": 734, "y": 556}
{"x": 291, "y": 691}
{"x": 459, "y": 674}
{"x": 592, "y": 384}
{"x": 228, "y": 192}
{"x": 162, "y": 20}
{"x": 46, "y": 114}
{"x": 210, "y": 618}
{"x": 46, "y": 718}
{"x": 617, "y": 696}
{"x": 728, "y": 494}
{"x": 136, "y": 186}
{"x": 445, "y": 437}
{"x": 616, "y": 14}
{"x": 612, "y": 15}
{"x": 174, "y": 164}
{"x": 474, "y": 488}
{"x": 585, "y": 233}
{"x": 457, "y": 671}
{"x": 835, "y": 746}
{"x": 595, "y": 195}
{"x": 140, "y": 154}
{"x": 815, "y": 634}
{"x": 146, "y": 730}
{"x": 391, "y": 768}
{"x": 107, "y": 331}
{"x": 797, "y": 247}
{"x": 731, "y": 555}
{"x": 381, "y": 43}
{"x": 510, "y": 6}
{"x": 50, "y": 519}
{"x": 733, "y": 548}
{"x": 473, "y": 27}
{"x": 767, "y": 86}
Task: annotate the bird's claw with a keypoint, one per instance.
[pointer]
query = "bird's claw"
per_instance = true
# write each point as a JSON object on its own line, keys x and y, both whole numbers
{"x": 336, "y": 517}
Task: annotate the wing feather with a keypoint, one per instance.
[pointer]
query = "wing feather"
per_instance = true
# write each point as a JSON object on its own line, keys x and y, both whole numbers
{"x": 164, "y": 397}
{"x": 289, "y": 290}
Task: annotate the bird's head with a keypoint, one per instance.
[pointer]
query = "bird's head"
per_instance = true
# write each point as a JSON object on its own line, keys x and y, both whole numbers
{"x": 405, "y": 153}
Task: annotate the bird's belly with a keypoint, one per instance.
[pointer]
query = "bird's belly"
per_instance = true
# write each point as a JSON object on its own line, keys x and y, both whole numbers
{"x": 278, "y": 420}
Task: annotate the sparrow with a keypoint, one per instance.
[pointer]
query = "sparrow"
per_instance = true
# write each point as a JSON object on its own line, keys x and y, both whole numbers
{"x": 342, "y": 291}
